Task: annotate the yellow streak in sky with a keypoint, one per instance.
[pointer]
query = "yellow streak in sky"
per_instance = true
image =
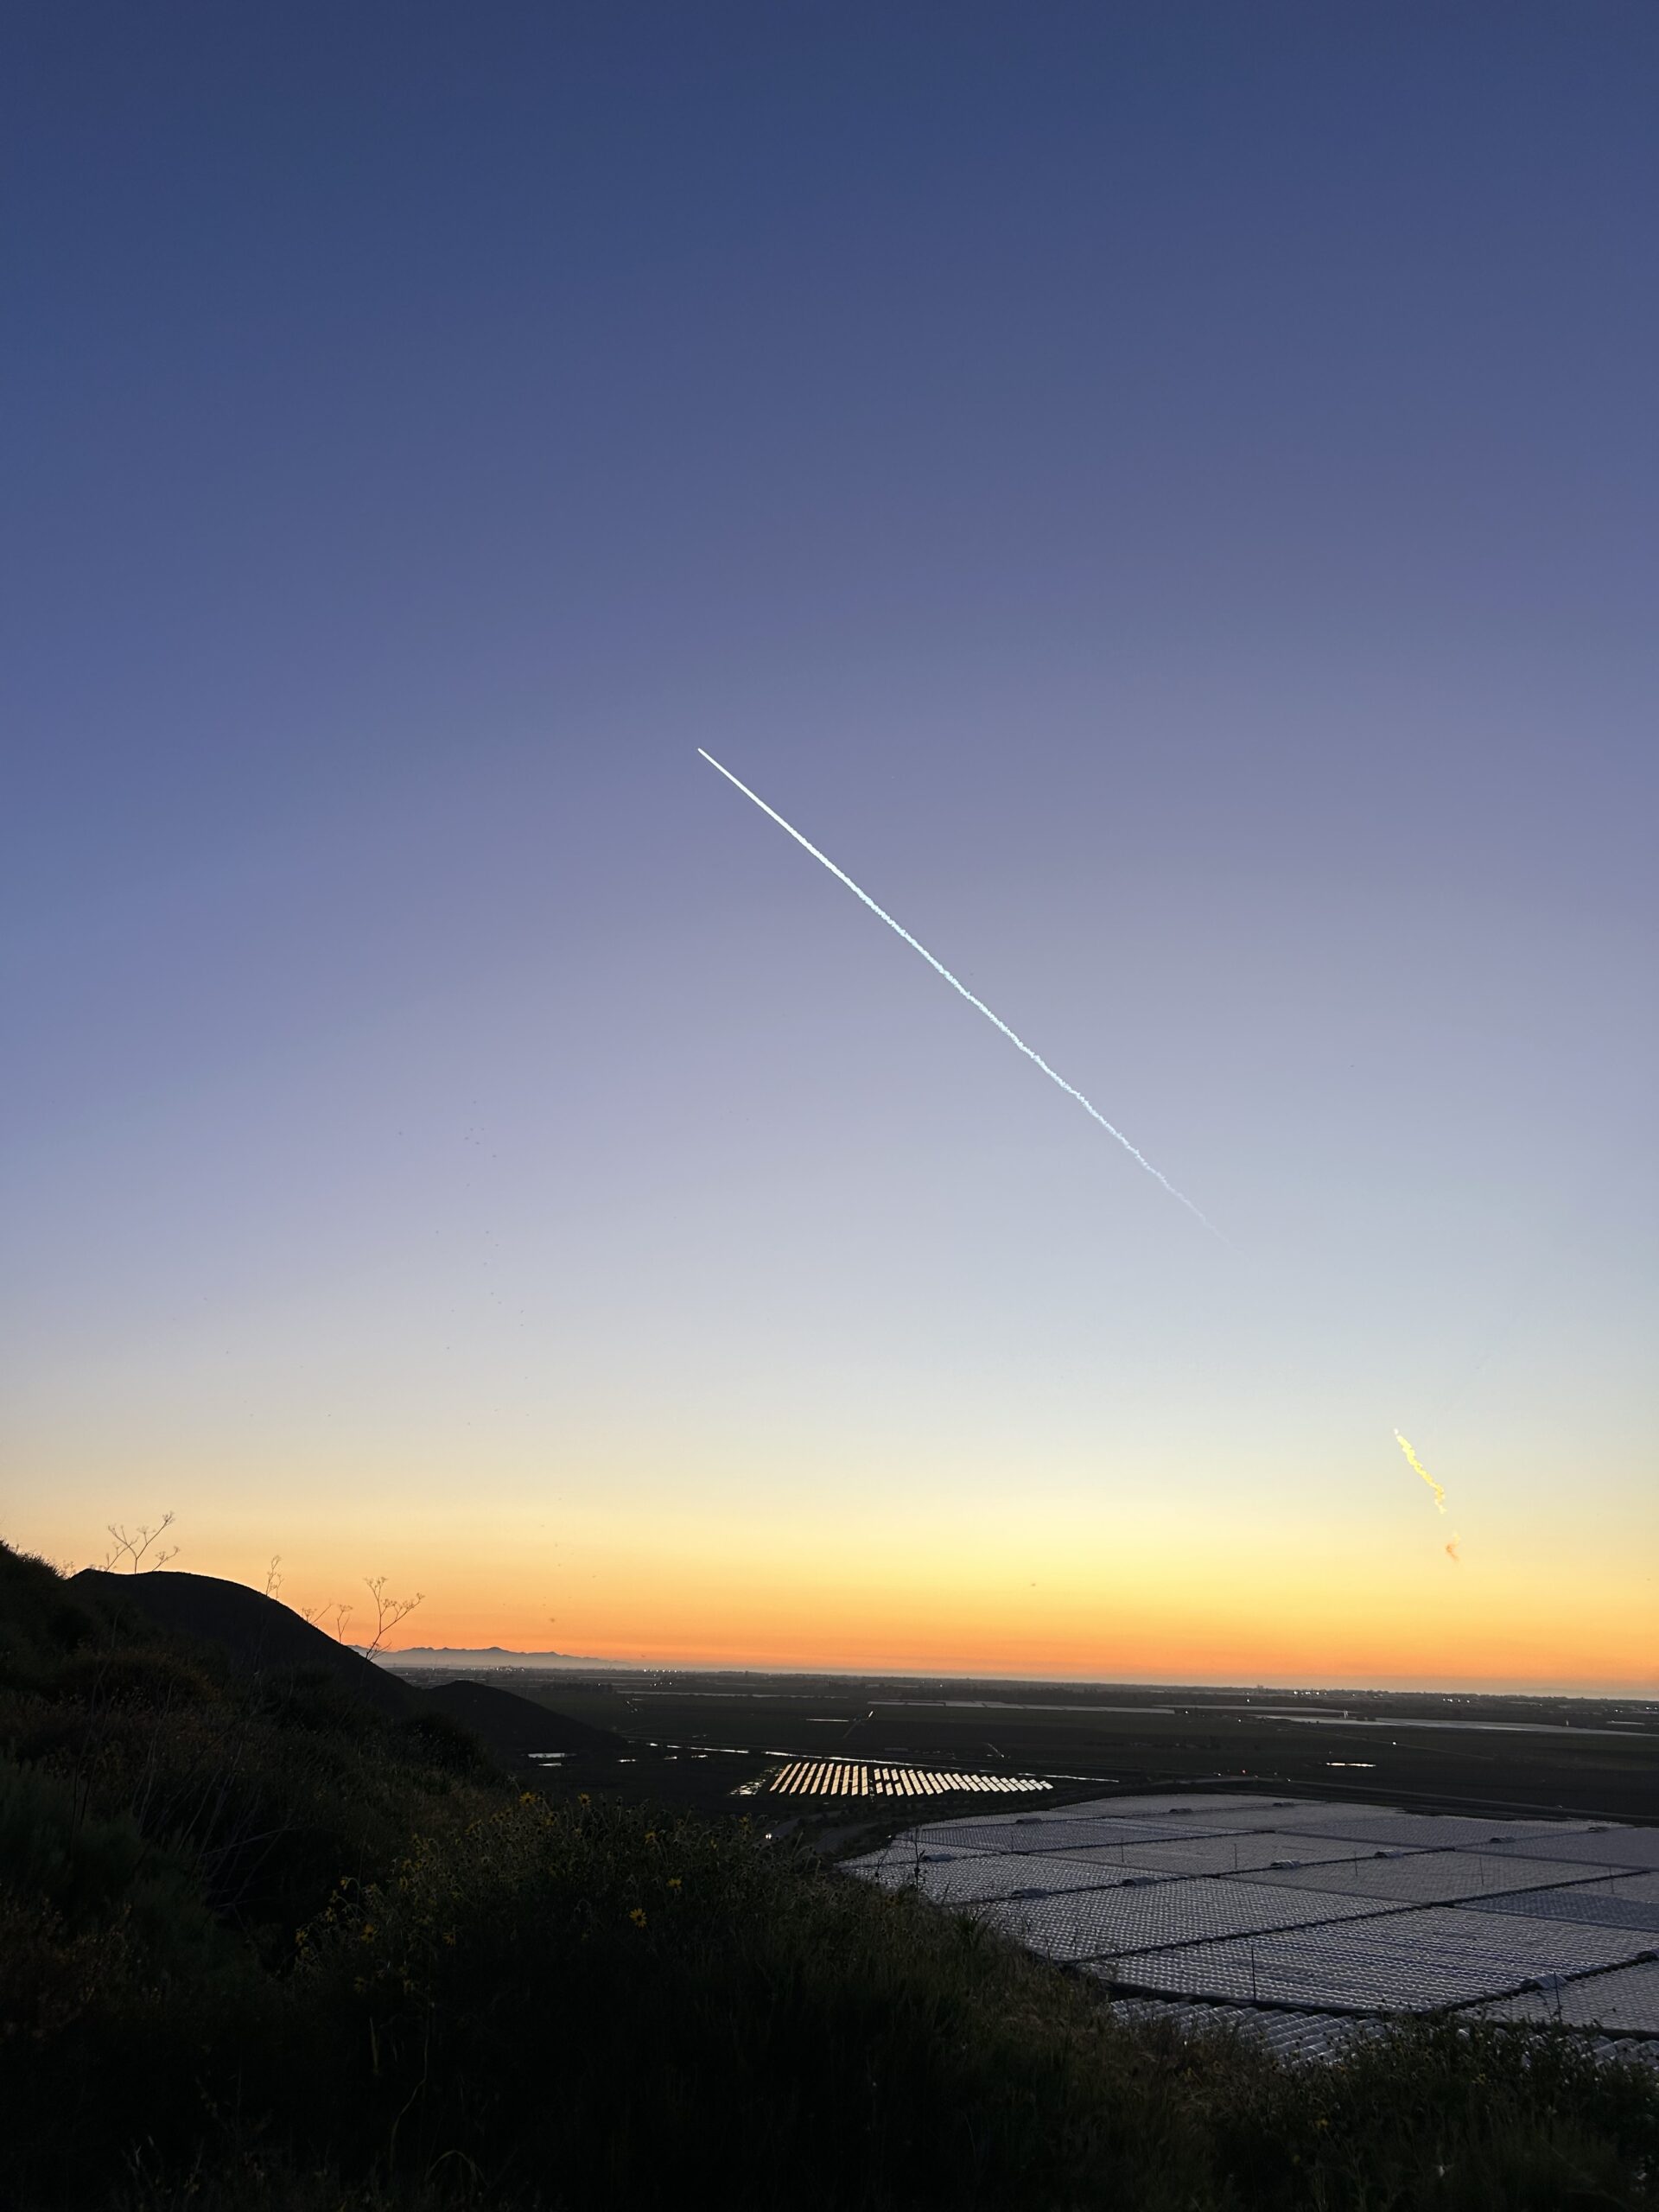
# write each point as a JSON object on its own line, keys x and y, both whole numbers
{"x": 1440, "y": 1493}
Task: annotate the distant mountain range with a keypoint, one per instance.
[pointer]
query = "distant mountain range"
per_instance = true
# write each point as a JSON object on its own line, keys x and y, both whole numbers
{"x": 427, "y": 1654}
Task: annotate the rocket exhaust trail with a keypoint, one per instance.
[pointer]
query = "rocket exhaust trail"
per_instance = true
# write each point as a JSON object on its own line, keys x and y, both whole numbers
{"x": 996, "y": 1020}
{"x": 1439, "y": 1489}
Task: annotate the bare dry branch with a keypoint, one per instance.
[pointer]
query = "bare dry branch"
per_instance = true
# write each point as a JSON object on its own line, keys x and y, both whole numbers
{"x": 388, "y": 1611}
{"x": 134, "y": 1546}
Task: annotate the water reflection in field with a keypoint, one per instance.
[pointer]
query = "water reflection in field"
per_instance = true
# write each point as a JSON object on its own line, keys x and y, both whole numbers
{"x": 869, "y": 1778}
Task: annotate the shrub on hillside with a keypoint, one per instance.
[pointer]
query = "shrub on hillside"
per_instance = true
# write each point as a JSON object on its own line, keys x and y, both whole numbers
{"x": 602, "y": 2006}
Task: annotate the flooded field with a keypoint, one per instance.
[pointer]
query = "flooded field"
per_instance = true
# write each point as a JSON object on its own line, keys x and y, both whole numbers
{"x": 846, "y": 1778}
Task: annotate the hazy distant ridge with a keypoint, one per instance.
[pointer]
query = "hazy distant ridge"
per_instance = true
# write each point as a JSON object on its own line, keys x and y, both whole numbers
{"x": 427, "y": 1654}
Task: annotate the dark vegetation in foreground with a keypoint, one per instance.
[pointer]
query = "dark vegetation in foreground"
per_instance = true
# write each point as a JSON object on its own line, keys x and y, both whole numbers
{"x": 262, "y": 1944}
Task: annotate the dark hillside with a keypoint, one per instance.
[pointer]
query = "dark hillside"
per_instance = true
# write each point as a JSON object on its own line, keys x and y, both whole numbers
{"x": 510, "y": 1723}
{"x": 259, "y": 1633}
{"x": 276, "y": 1647}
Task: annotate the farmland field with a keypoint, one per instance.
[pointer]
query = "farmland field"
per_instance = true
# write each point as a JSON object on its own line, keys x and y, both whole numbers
{"x": 697, "y": 1737}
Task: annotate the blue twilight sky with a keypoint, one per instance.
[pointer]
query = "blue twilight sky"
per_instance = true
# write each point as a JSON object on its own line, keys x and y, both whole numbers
{"x": 1164, "y": 495}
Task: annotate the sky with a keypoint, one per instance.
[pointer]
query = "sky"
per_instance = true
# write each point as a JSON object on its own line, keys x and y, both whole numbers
{"x": 1161, "y": 495}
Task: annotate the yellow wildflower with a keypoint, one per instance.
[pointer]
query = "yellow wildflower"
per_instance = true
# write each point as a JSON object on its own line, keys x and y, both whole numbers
{"x": 638, "y": 1917}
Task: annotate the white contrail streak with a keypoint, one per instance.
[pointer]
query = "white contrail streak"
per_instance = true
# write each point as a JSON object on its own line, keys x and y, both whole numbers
{"x": 1070, "y": 1090}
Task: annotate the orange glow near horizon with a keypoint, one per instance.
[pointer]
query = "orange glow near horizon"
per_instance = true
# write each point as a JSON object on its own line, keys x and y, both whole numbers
{"x": 1235, "y": 1651}
{"x": 1418, "y": 1623}
{"x": 1034, "y": 1585}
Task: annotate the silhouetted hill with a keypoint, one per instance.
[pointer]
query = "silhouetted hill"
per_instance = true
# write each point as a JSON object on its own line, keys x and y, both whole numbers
{"x": 261, "y": 1633}
{"x": 511, "y": 1723}
{"x": 268, "y": 1638}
